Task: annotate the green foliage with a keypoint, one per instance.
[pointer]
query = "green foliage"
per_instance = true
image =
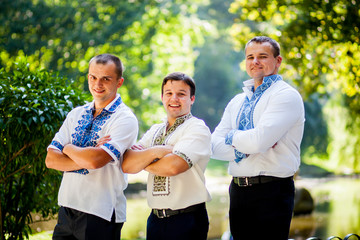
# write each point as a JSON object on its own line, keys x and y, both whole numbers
{"x": 151, "y": 37}
{"x": 320, "y": 41}
{"x": 216, "y": 75}
{"x": 33, "y": 105}
{"x": 321, "y": 55}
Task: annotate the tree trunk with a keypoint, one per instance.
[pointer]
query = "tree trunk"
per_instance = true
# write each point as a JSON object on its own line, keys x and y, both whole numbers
{"x": 2, "y": 237}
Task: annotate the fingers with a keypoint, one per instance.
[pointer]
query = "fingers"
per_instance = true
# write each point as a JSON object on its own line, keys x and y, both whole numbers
{"x": 103, "y": 140}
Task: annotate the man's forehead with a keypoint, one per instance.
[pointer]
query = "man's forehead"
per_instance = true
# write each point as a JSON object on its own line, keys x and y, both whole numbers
{"x": 259, "y": 48}
{"x": 179, "y": 85}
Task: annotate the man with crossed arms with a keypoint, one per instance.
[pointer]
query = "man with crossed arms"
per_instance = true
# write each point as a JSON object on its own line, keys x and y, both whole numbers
{"x": 260, "y": 134}
{"x": 175, "y": 153}
{"x": 89, "y": 149}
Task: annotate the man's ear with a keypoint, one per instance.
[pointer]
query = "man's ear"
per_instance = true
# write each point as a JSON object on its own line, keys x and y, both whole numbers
{"x": 279, "y": 60}
{"x": 192, "y": 99}
{"x": 120, "y": 83}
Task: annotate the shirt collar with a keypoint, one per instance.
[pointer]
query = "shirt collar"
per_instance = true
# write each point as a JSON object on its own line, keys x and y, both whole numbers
{"x": 179, "y": 120}
{"x": 111, "y": 107}
{"x": 249, "y": 84}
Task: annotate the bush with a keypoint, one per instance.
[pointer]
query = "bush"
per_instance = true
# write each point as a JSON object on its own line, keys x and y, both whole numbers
{"x": 33, "y": 105}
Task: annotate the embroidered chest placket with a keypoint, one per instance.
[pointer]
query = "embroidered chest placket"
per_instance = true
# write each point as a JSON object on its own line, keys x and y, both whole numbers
{"x": 161, "y": 185}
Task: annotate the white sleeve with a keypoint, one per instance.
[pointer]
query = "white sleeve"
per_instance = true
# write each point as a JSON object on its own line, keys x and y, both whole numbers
{"x": 147, "y": 139}
{"x": 220, "y": 150}
{"x": 123, "y": 133}
{"x": 284, "y": 110}
{"x": 195, "y": 142}
{"x": 63, "y": 136}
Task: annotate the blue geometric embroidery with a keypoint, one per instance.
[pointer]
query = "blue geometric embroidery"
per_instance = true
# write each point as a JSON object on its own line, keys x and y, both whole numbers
{"x": 229, "y": 137}
{"x": 81, "y": 171}
{"x": 86, "y": 133}
{"x": 246, "y": 113}
{"x": 113, "y": 150}
{"x": 57, "y": 144}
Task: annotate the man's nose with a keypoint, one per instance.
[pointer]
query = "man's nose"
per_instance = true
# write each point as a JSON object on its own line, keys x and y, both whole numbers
{"x": 98, "y": 83}
{"x": 175, "y": 96}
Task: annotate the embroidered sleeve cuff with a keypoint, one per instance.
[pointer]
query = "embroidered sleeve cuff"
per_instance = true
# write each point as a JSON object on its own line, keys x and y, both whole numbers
{"x": 183, "y": 156}
{"x": 229, "y": 137}
{"x": 116, "y": 152}
{"x": 57, "y": 145}
{"x": 81, "y": 171}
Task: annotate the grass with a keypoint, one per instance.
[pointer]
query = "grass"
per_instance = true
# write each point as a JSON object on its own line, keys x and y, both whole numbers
{"x": 41, "y": 236}
{"x": 217, "y": 168}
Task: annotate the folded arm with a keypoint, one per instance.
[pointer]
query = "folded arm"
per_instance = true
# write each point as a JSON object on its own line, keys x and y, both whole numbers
{"x": 169, "y": 165}
{"x": 137, "y": 158}
{"x": 284, "y": 111}
{"x": 88, "y": 157}
{"x": 57, "y": 160}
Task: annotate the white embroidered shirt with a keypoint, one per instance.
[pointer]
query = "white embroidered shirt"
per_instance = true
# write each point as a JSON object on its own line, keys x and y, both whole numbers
{"x": 98, "y": 191}
{"x": 278, "y": 118}
{"x": 191, "y": 140}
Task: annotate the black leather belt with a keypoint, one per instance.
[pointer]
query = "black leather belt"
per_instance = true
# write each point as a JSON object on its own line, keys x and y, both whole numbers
{"x": 249, "y": 181}
{"x": 163, "y": 213}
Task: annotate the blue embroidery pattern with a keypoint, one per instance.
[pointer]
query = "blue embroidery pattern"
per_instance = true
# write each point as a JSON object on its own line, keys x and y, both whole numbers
{"x": 86, "y": 133}
{"x": 57, "y": 144}
{"x": 246, "y": 113}
{"x": 114, "y": 150}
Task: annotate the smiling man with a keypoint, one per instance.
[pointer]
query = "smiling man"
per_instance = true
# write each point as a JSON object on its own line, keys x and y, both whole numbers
{"x": 260, "y": 135}
{"x": 89, "y": 149}
{"x": 175, "y": 153}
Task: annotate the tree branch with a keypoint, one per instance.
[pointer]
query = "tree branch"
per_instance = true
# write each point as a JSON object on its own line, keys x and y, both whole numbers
{"x": 15, "y": 155}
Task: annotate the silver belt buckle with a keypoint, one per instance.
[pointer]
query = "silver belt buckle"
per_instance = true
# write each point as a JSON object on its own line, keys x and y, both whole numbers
{"x": 245, "y": 182}
{"x": 164, "y": 213}
{"x": 158, "y": 213}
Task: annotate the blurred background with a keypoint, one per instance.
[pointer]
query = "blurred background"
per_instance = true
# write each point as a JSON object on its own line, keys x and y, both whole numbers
{"x": 320, "y": 43}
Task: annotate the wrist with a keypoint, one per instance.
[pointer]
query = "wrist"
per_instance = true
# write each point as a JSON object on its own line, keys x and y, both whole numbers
{"x": 66, "y": 149}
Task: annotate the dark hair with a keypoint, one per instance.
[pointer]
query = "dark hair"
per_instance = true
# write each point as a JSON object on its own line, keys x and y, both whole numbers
{"x": 179, "y": 76}
{"x": 105, "y": 58}
{"x": 262, "y": 39}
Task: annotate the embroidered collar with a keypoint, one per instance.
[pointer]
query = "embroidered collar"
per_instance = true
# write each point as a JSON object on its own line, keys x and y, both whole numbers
{"x": 179, "y": 121}
{"x": 111, "y": 107}
{"x": 249, "y": 85}
{"x": 245, "y": 115}
{"x": 162, "y": 134}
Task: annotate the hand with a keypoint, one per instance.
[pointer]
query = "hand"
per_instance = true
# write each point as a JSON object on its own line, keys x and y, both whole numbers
{"x": 103, "y": 140}
{"x": 162, "y": 150}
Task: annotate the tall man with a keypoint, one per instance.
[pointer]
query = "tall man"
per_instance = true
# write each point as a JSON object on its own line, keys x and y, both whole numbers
{"x": 175, "y": 153}
{"x": 93, "y": 205}
{"x": 260, "y": 134}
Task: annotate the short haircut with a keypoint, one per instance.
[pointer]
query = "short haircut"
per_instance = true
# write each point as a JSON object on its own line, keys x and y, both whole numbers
{"x": 261, "y": 39}
{"x": 179, "y": 76}
{"x": 105, "y": 58}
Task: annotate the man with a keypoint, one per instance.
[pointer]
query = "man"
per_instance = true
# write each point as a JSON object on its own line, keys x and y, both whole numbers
{"x": 175, "y": 153}
{"x": 260, "y": 134}
{"x": 93, "y": 205}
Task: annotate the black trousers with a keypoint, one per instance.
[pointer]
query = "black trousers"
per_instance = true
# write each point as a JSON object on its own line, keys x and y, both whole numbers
{"x": 261, "y": 211}
{"x": 184, "y": 226}
{"x": 73, "y": 224}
